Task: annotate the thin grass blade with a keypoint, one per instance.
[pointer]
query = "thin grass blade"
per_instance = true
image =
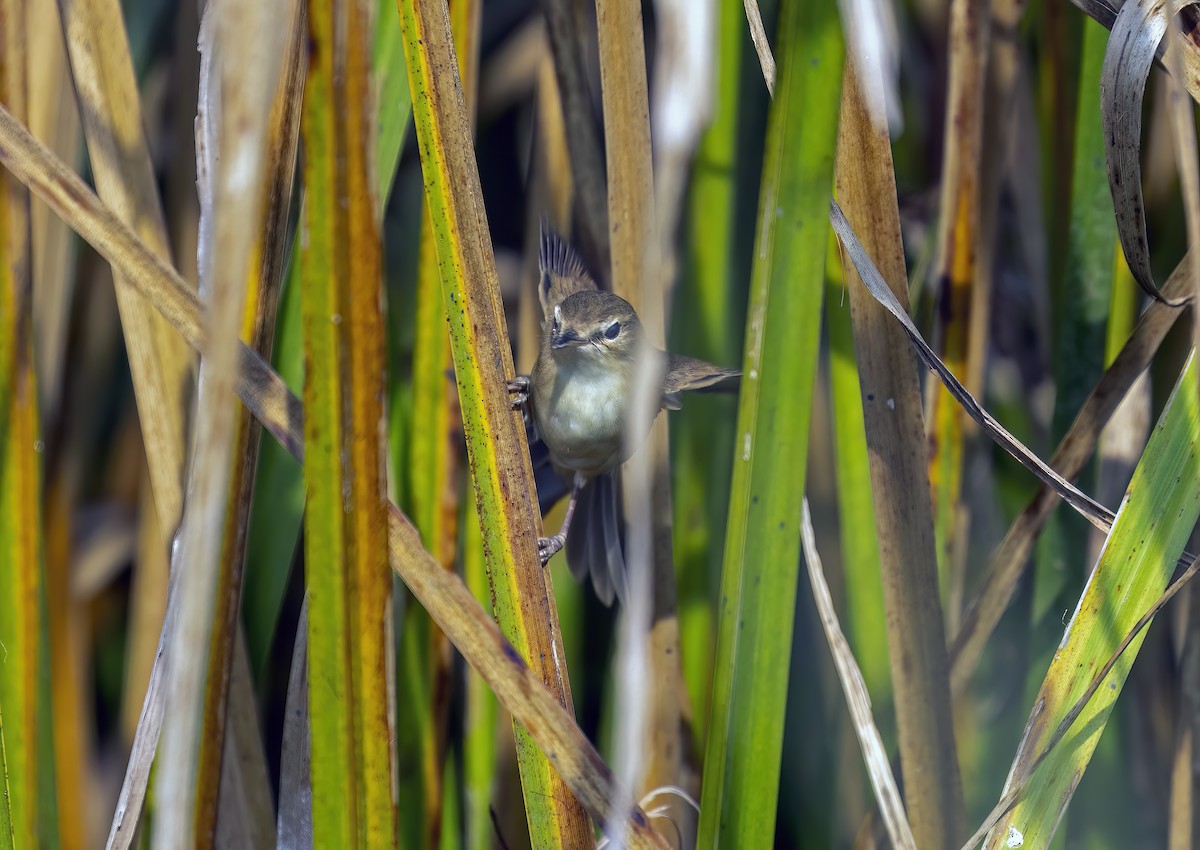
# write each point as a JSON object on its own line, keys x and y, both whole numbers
{"x": 647, "y": 746}
{"x": 955, "y": 276}
{"x": 161, "y": 365}
{"x": 762, "y": 45}
{"x": 236, "y": 114}
{"x": 246, "y": 805}
{"x": 277, "y": 511}
{"x": 563, "y": 29}
{"x": 393, "y": 101}
{"x": 865, "y": 617}
{"x": 858, "y": 699}
{"x": 429, "y": 461}
{"x": 67, "y": 643}
{"x": 242, "y": 809}
{"x": 295, "y": 823}
{"x": 53, "y": 117}
{"x": 1093, "y": 511}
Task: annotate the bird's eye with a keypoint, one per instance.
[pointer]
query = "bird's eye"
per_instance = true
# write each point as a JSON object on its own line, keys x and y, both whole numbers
{"x": 613, "y": 330}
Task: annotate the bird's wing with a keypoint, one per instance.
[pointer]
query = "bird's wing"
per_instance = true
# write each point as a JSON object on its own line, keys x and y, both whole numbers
{"x": 562, "y": 271}
{"x": 688, "y": 373}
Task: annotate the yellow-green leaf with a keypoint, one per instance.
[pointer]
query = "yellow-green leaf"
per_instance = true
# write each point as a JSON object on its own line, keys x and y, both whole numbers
{"x": 344, "y": 387}
{"x": 24, "y": 654}
{"x": 496, "y": 446}
{"x": 1158, "y": 513}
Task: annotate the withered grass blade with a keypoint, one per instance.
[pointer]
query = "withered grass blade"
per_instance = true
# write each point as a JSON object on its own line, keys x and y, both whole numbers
{"x": 243, "y": 44}
{"x": 647, "y": 743}
{"x": 248, "y": 114}
{"x": 895, "y": 434}
{"x": 875, "y": 756}
{"x": 54, "y": 118}
{"x": 960, "y": 290}
{"x": 762, "y": 45}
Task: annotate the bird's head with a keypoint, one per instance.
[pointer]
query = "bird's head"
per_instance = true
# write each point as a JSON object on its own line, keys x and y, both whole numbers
{"x": 594, "y": 324}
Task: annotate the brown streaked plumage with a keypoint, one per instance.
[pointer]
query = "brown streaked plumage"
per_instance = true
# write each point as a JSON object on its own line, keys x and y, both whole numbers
{"x": 580, "y": 399}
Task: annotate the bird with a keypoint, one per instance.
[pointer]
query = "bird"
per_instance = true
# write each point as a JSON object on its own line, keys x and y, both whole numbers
{"x": 577, "y": 402}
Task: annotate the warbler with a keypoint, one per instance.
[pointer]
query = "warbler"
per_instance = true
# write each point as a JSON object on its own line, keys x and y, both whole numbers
{"x": 578, "y": 401}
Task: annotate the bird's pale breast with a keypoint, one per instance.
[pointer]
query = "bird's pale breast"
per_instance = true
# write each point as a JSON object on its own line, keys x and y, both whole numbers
{"x": 582, "y": 421}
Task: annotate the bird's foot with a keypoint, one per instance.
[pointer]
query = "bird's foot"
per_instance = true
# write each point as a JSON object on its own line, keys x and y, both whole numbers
{"x": 548, "y": 547}
{"x": 519, "y": 388}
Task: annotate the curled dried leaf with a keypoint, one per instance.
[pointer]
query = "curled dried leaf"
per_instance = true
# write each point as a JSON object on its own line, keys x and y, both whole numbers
{"x": 1136, "y": 33}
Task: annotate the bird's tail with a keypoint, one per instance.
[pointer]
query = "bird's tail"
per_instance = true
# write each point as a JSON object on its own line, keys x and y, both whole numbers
{"x": 596, "y": 541}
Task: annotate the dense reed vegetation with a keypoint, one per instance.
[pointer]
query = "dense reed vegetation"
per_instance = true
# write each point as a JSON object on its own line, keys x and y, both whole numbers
{"x": 266, "y": 267}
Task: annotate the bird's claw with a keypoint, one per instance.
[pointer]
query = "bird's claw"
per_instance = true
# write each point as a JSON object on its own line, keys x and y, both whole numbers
{"x": 519, "y": 388}
{"x": 548, "y": 547}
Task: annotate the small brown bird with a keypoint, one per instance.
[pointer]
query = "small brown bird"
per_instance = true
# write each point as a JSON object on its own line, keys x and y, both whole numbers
{"x": 580, "y": 397}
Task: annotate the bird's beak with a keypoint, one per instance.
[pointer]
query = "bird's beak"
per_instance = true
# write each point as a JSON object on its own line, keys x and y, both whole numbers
{"x": 567, "y": 339}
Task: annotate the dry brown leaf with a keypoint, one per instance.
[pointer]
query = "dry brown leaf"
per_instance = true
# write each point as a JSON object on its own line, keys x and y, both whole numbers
{"x": 899, "y": 480}
{"x": 161, "y": 364}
